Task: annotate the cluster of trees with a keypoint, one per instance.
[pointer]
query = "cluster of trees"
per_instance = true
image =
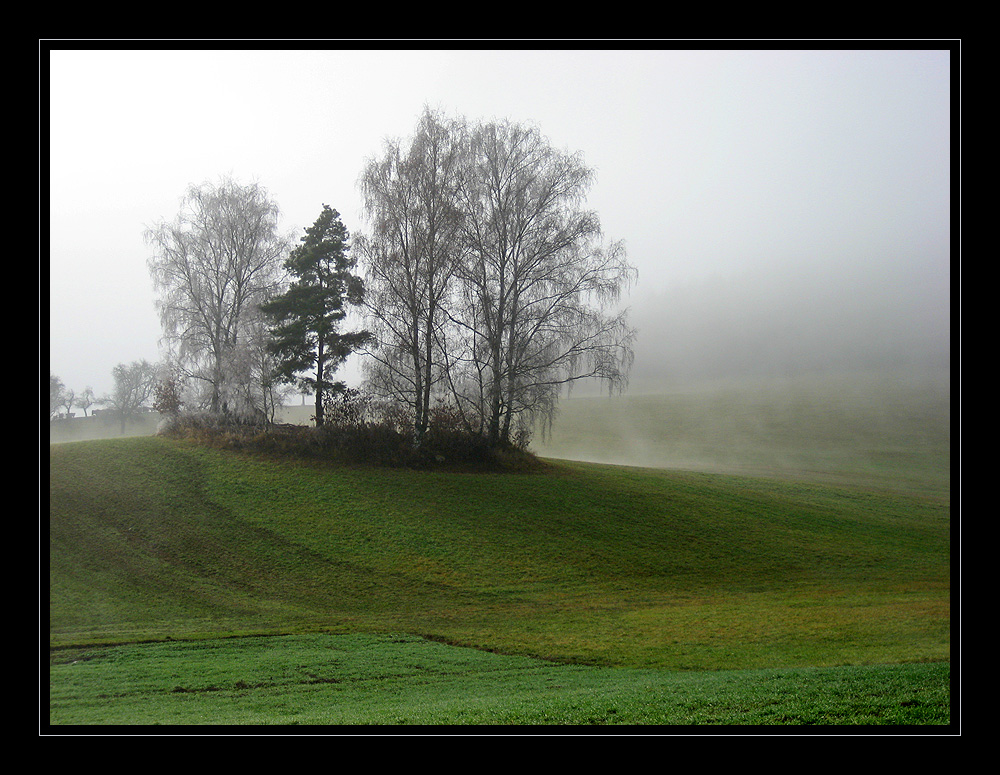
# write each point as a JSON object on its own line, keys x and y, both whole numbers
{"x": 62, "y": 397}
{"x": 246, "y": 318}
{"x": 136, "y": 384}
{"x": 488, "y": 282}
{"x": 480, "y": 283}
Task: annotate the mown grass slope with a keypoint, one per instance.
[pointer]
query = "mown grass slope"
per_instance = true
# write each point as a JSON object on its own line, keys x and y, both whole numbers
{"x": 153, "y": 538}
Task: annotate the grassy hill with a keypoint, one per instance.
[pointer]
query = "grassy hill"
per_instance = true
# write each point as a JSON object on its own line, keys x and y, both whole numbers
{"x": 197, "y": 585}
{"x": 151, "y": 538}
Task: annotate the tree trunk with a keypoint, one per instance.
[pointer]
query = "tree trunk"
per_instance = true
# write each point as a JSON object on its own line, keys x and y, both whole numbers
{"x": 319, "y": 379}
{"x": 495, "y": 407}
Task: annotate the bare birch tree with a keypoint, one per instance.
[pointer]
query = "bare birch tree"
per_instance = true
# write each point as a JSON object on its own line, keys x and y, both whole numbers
{"x": 213, "y": 265}
{"x": 255, "y": 391}
{"x": 411, "y": 252}
{"x": 538, "y": 286}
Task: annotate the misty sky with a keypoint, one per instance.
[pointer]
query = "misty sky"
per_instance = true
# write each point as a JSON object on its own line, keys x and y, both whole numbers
{"x": 742, "y": 182}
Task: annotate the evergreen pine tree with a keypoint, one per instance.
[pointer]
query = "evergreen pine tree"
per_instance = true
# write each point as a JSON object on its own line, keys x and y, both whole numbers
{"x": 306, "y": 335}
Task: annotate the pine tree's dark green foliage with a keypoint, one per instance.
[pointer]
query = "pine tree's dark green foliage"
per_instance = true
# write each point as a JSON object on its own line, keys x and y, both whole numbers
{"x": 306, "y": 336}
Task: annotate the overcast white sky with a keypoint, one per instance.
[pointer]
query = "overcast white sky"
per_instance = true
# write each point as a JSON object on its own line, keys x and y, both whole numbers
{"x": 710, "y": 163}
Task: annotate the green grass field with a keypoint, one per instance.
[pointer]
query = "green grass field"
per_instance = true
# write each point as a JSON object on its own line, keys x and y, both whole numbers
{"x": 199, "y": 586}
{"x": 405, "y": 680}
{"x": 890, "y": 430}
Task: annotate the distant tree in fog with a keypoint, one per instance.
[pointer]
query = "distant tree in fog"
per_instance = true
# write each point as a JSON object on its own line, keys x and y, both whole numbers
{"x": 134, "y": 386}
{"x": 213, "y": 266}
{"x": 257, "y": 388}
{"x": 86, "y": 399}
{"x": 68, "y": 400}
{"x": 56, "y": 389}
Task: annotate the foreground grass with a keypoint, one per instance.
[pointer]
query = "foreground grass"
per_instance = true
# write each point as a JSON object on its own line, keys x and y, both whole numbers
{"x": 397, "y": 680}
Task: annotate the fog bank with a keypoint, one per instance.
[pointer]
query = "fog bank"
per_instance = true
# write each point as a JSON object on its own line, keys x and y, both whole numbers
{"x": 872, "y": 316}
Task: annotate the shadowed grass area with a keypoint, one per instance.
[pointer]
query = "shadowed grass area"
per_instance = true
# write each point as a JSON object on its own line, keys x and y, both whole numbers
{"x": 151, "y": 538}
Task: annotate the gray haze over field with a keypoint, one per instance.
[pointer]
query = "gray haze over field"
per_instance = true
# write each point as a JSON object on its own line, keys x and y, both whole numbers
{"x": 787, "y": 210}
